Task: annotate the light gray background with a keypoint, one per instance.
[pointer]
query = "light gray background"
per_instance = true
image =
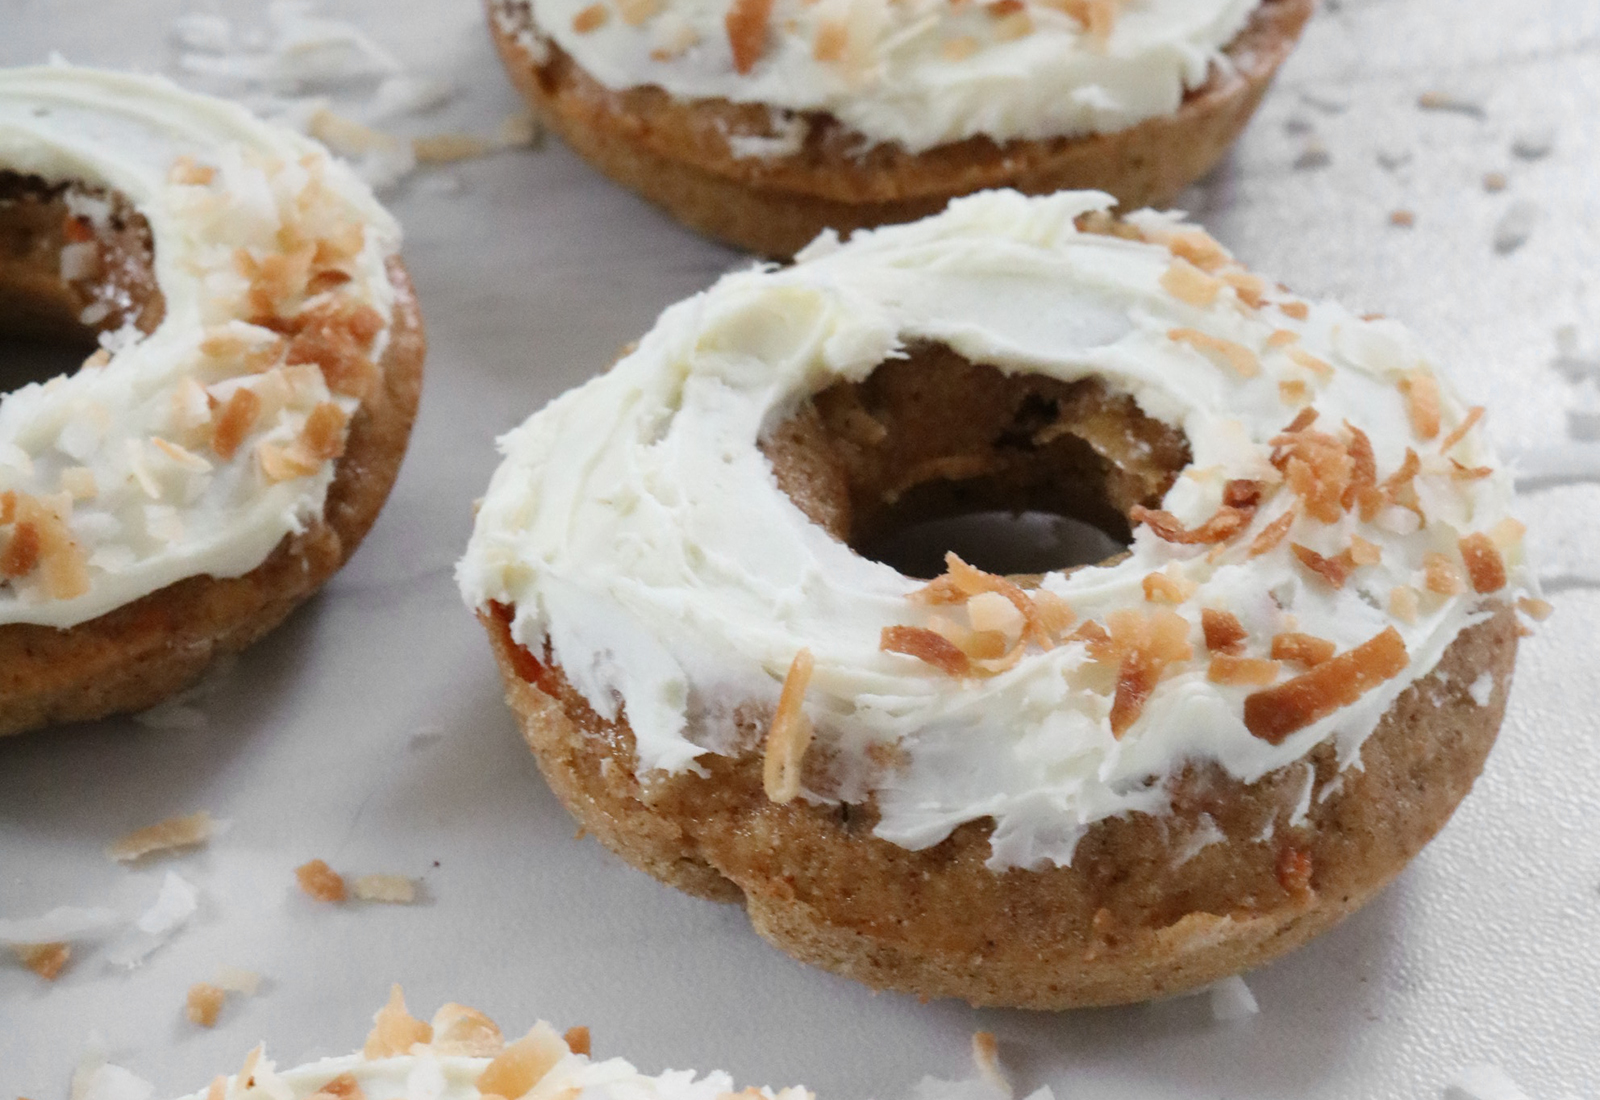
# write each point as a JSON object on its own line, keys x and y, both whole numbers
{"x": 369, "y": 730}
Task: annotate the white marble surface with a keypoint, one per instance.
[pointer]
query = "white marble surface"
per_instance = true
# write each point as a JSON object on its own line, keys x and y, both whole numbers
{"x": 369, "y": 730}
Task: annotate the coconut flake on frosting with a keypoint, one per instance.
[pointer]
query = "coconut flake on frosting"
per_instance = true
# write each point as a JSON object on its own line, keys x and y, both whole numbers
{"x": 637, "y": 530}
{"x": 917, "y": 73}
{"x": 197, "y": 448}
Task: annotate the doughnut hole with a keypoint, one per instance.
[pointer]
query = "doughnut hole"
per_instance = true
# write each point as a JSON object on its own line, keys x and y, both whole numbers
{"x": 75, "y": 262}
{"x": 933, "y": 452}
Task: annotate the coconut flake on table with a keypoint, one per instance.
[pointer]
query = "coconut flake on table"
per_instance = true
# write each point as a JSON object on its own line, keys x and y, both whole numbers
{"x": 175, "y": 904}
{"x": 393, "y": 889}
{"x": 190, "y": 831}
{"x": 62, "y": 924}
{"x": 1515, "y": 226}
{"x": 94, "y": 1078}
{"x": 327, "y": 78}
{"x": 1483, "y": 1082}
{"x": 1231, "y": 1000}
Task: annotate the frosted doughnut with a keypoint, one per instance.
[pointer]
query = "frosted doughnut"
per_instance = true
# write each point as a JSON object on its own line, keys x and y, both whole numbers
{"x": 461, "y": 1054}
{"x": 231, "y": 441}
{"x": 1088, "y": 786}
{"x": 762, "y": 122}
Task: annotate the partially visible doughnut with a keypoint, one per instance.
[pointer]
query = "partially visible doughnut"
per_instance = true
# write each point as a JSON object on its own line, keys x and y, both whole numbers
{"x": 461, "y": 1054}
{"x": 762, "y": 124}
{"x": 229, "y": 444}
{"x": 1091, "y": 786}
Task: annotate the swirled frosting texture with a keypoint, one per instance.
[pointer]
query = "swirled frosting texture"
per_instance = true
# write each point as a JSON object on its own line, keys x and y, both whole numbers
{"x": 918, "y": 73}
{"x": 636, "y": 527}
{"x": 427, "y": 1075}
{"x": 257, "y": 233}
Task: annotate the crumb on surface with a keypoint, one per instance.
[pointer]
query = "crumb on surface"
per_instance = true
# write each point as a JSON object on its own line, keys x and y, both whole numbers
{"x": 189, "y": 831}
{"x": 45, "y": 959}
{"x": 1404, "y": 219}
{"x": 320, "y": 881}
{"x": 393, "y": 889}
{"x": 204, "y": 1004}
{"x": 578, "y": 1039}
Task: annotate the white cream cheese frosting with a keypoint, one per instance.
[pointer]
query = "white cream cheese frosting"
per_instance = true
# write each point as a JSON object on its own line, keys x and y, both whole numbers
{"x": 462, "y": 1056}
{"x": 636, "y": 527}
{"x": 918, "y": 73}
{"x": 117, "y": 452}
{"x": 426, "y": 1075}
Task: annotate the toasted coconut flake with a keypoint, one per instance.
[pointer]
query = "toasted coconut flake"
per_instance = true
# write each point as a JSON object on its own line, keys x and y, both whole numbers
{"x": 577, "y": 1039}
{"x": 1273, "y": 713}
{"x": 1272, "y": 534}
{"x": 21, "y": 554}
{"x": 523, "y": 1064}
{"x": 1251, "y": 671}
{"x": 591, "y": 18}
{"x": 164, "y": 836}
{"x": 1459, "y": 432}
{"x": 1335, "y": 570}
{"x": 986, "y": 1056}
{"x": 1250, "y": 289}
{"x": 1421, "y": 390}
{"x": 1404, "y": 603}
{"x": 233, "y": 421}
{"x": 990, "y": 611}
{"x": 187, "y": 172}
{"x": 1199, "y": 248}
{"x": 1223, "y": 631}
{"x": 1303, "y": 358}
{"x": 460, "y": 1030}
{"x": 44, "y": 959}
{"x": 1536, "y": 609}
{"x": 1294, "y": 871}
{"x": 746, "y": 24}
{"x": 1363, "y": 552}
{"x": 1165, "y": 588}
{"x": 450, "y": 148}
{"x": 343, "y": 1087}
{"x": 395, "y": 1031}
{"x": 790, "y": 734}
{"x": 322, "y": 437}
{"x": 1292, "y": 391}
{"x": 204, "y": 1004}
{"x": 1282, "y": 338}
{"x": 394, "y": 889}
{"x": 1302, "y": 420}
{"x": 235, "y": 979}
{"x": 1298, "y": 310}
{"x": 1238, "y": 358}
{"x": 1142, "y": 647}
{"x": 1440, "y": 575}
{"x": 925, "y": 645}
{"x": 283, "y": 463}
{"x": 1223, "y": 525}
{"x": 959, "y": 48}
{"x": 1363, "y": 467}
{"x": 320, "y": 881}
{"x": 833, "y": 39}
{"x": 1302, "y": 649}
{"x": 1055, "y": 613}
{"x": 1485, "y": 567}
{"x": 1189, "y": 284}
{"x": 973, "y": 581}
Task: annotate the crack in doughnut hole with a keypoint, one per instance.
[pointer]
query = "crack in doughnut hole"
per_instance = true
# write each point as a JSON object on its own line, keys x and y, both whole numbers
{"x": 75, "y": 261}
{"x": 1016, "y": 473}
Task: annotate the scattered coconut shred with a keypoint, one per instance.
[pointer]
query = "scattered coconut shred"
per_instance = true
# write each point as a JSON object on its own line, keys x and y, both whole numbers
{"x": 318, "y": 880}
{"x": 324, "y": 77}
{"x": 43, "y": 944}
{"x": 164, "y": 836}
